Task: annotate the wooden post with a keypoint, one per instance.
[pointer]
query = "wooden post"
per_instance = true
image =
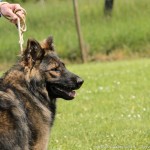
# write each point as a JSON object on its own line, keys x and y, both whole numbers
{"x": 80, "y": 37}
{"x": 108, "y": 7}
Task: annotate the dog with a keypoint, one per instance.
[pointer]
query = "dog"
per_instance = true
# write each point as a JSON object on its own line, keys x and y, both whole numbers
{"x": 28, "y": 95}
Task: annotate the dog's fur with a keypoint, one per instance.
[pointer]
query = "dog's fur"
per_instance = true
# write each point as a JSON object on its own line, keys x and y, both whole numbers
{"x": 28, "y": 93}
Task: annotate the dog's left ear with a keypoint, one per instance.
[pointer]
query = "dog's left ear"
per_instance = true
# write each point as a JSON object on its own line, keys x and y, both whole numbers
{"x": 48, "y": 44}
{"x": 33, "y": 52}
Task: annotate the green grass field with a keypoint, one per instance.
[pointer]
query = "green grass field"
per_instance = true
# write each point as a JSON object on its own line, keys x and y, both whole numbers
{"x": 111, "y": 110}
{"x": 127, "y": 30}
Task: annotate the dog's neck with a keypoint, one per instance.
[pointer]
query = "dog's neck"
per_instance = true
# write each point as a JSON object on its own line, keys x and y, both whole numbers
{"x": 14, "y": 76}
{"x": 19, "y": 78}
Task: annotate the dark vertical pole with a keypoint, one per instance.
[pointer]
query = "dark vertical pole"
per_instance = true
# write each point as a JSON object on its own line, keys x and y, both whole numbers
{"x": 108, "y": 7}
{"x": 78, "y": 26}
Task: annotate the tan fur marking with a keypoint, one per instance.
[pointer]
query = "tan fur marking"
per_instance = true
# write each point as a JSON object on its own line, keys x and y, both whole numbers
{"x": 41, "y": 127}
{"x": 5, "y": 122}
{"x": 13, "y": 77}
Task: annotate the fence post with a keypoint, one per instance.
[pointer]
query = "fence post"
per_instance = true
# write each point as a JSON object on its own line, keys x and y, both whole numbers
{"x": 108, "y": 7}
{"x": 80, "y": 37}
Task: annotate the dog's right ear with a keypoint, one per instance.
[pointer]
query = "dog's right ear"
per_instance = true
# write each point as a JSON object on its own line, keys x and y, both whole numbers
{"x": 32, "y": 53}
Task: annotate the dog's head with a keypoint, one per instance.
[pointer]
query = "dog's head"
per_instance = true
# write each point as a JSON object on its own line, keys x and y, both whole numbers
{"x": 43, "y": 65}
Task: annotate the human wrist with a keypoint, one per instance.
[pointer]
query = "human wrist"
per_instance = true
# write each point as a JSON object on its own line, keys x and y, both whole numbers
{"x": 2, "y": 3}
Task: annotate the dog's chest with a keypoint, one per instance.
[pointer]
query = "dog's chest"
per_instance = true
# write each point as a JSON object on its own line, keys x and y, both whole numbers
{"x": 40, "y": 132}
{"x": 39, "y": 121}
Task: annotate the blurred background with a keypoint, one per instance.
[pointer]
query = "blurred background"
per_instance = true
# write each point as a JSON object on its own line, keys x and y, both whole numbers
{"x": 111, "y": 29}
{"x": 111, "y": 110}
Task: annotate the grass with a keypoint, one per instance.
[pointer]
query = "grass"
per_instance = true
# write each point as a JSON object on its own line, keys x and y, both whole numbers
{"x": 127, "y": 29}
{"x": 111, "y": 110}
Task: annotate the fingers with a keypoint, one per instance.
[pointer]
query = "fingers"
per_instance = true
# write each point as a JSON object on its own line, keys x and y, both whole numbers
{"x": 17, "y": 7}
{"x": 20, "y": 14}
{"x": 19, "y": 11}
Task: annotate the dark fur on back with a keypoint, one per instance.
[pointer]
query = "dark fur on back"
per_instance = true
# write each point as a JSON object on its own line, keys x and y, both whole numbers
{"x": 28, "y": 93}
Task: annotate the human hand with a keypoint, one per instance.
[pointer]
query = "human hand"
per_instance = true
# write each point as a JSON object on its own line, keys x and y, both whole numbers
{"x": 12, "y": 11}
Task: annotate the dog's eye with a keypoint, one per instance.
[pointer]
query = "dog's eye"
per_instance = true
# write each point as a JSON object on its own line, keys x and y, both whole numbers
{"x": 55, "y": 69}
{"x": 54, "y": 72}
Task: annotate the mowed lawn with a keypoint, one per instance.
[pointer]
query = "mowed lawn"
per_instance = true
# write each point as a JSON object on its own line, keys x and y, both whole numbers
{"x": 111, "y": 110}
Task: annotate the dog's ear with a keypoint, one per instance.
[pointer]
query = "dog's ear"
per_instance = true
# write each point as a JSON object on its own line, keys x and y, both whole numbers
{"x": 33, "y": 52}
{"x": 48, "y": 44}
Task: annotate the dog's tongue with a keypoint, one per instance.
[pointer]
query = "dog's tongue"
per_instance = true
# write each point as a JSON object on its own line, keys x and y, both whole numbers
{"x": 72, "y": 94}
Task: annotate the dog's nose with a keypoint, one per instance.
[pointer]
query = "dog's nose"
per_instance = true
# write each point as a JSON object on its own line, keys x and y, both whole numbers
{"x": 79, "y": 82}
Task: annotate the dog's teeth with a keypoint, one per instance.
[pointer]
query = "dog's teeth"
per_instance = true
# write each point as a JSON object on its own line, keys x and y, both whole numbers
{"x": 72, "y": 94}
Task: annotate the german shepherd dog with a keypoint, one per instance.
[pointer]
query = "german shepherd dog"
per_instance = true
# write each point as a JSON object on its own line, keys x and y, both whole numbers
{"x": 28, "y": 93}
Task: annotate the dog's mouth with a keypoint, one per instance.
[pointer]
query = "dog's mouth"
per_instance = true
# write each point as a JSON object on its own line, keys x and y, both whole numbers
{"x": 61, "y": 92}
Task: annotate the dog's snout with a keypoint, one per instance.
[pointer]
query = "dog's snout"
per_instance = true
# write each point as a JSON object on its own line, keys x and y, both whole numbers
{"x": 79, "y": 82}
